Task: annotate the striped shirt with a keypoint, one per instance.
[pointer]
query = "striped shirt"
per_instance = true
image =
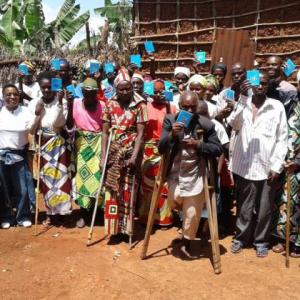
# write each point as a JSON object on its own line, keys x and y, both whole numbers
{"x": 261, "y": 144}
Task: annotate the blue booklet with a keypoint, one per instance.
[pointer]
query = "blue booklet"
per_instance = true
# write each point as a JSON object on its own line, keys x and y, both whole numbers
{"x": 23, "y": 69}
{"x": 200, "y": 57}
{"x": 149, "y": 88}
{"x": 290, "y": 67}
{"x": 253, "y": 77}
{"x": 109, "y": 68}
{"x": 168, "y": 95}
{"x": 184, "y": 117}
{"x": 168, "y": 85}
{"x": 55, "y": 64}
{"x": 136, "y": 59}
{"x": 149, "y": 47}
{"x": 229, "y": 95}
{"x": 56, "y": 84}
{"x": 94, "y": 68}
{"x": 71, "y": 89}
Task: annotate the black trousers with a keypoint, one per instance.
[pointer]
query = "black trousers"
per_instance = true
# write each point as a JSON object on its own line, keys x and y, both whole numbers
{"x": 255, "y": 203}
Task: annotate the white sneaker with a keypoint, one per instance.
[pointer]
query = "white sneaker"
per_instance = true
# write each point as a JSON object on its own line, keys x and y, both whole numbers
{"x": 26, "y": 224}
{"x": 5, "y": 225}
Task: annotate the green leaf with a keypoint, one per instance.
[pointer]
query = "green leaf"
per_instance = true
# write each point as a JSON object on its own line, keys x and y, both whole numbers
{"x": 66, "y": 33}
{"x": 34, "y": 16}
{"x": 68, "y": 4}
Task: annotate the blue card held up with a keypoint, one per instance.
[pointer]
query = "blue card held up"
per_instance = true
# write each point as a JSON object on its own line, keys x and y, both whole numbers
{"x": 290, "y": 67}
{"x": 200, "y": 57}
{"x": 184, "y": 117}
{"x": 136, "y": 59}
{"x": 149, "y": 47}
{"x": 94, "y": 68}
{"x": 229, "y": 95}
{"x": 253, "y": 77}
{"x": 149, "y": 88}
{"x": 168, "y": 86}
{"x": 56, "y": 84}
{"x": 109, "y": 68}
{"x": 71, "y": 89}
{"x": 23, "y": 69}
{"x": 168, "y": 95}
{"x": 55, "y": 64}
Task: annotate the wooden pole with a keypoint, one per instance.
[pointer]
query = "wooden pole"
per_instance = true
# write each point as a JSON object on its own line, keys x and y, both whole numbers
{"x": 158, "y": 185}
{"x": 288, "y": 222}
{"x": 88, "y": 38}
{"x": 37, "y": 191}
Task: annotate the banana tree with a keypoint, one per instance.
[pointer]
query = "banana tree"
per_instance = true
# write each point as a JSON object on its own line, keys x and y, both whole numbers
{"x": 119, "y": 18}
{"x": 67, "y": 23}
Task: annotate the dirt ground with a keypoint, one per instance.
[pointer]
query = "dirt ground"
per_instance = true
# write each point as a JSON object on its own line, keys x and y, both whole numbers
{"x": 58, "y": 265}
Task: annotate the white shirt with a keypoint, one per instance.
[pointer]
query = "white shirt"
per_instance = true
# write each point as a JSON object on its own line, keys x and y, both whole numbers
{"x": 221, "y": 132}
{"x": 260, "y": 145}
{"x": 187, "y": 172}
{"x": 14, "y": 128}
{"x": 33, "y": 90}
{"x": 54, "y": 116}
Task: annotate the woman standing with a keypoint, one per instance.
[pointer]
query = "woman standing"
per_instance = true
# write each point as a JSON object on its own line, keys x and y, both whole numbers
{"x": 293, "y": 168}
{"x": 86, "y": 115}
{"x": 125, "y": 116}
{"x": 55, "y": 169}
{"x": 157, "y": 110}
{"x": 15, "y": 124}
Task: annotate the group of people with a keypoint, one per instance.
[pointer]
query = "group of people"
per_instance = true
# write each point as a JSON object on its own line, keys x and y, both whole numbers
{"x": 110, "y": 124}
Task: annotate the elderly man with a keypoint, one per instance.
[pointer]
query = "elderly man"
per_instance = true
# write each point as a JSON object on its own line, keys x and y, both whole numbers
{"x": 257, "y": 160}
{"x": 185, "y": 170}
{"x": 280, "y": 89}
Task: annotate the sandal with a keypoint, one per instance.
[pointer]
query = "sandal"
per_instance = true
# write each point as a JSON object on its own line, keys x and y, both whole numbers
{"x": 236, "y": 247}
{"x": 295, "y": 253}
{"x": 262, "y": 251}
{"x": 47, "y": 222}
{"x": 279, "y": 248}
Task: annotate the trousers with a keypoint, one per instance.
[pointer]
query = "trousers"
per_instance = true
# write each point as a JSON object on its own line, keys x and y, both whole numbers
{"x": 191, "y": 210}
{"x": 255, "y": 202}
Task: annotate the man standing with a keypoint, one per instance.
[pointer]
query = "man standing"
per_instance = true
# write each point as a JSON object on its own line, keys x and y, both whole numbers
{"x": 185, "y": 170}
{"x": 257, "y": 160}
{"x": 280, "y": 89}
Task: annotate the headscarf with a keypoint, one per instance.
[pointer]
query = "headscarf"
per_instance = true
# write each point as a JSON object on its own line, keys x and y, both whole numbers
{"x": 90, "y": 84}
{"x": 197, "y": 78}
{"x": 298, "y": 76}
{"x": 89, "y": 62}
{"x": 29, "y": 65}
{"x": 184, "y": 70}
{"x": 122, "y": 76}
{"x": 138, "y": 75}
{"x": 210, "y": 79}
{"x": 221, "y": 66}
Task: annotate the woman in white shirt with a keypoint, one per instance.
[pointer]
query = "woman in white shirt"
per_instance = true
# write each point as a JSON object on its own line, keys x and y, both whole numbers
{"x": 50, "y": 113}
{"x": 15, "y": 123}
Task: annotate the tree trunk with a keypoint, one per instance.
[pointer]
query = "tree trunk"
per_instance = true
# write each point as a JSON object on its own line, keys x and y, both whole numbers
{"x": 88, "y": 38}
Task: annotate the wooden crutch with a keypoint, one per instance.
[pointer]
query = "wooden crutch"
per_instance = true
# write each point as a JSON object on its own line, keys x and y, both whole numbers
{"x": 158, "y": 185}
{"x": 210, "y": 198}
{"x": 37, "y": 190}
{"x": 131, "y": 208}
{"x": 90, "y": 235}
{"x": 288, "y": 222}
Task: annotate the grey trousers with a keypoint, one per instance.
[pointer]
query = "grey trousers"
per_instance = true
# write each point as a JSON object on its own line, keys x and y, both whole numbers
{"x": 255, "y": 202}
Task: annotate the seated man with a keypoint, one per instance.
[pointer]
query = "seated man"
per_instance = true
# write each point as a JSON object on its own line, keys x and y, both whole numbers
{"x": 257, "y": 160}
{"x": 185, "y": 170}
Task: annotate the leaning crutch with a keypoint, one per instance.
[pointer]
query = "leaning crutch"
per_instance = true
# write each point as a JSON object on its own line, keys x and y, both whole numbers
{"x": 131, "y": 209}
{"x": 100, "y": 188}
{"x": 211, "y": 206}
{"x": 37, "y": 190}
{"x": 288, "y": 222}
{"x": 158, "y": 185}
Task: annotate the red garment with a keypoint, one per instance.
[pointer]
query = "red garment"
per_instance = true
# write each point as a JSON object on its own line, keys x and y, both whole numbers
{"x": 156, "y": 115}
{"x": 100, "y": 96}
